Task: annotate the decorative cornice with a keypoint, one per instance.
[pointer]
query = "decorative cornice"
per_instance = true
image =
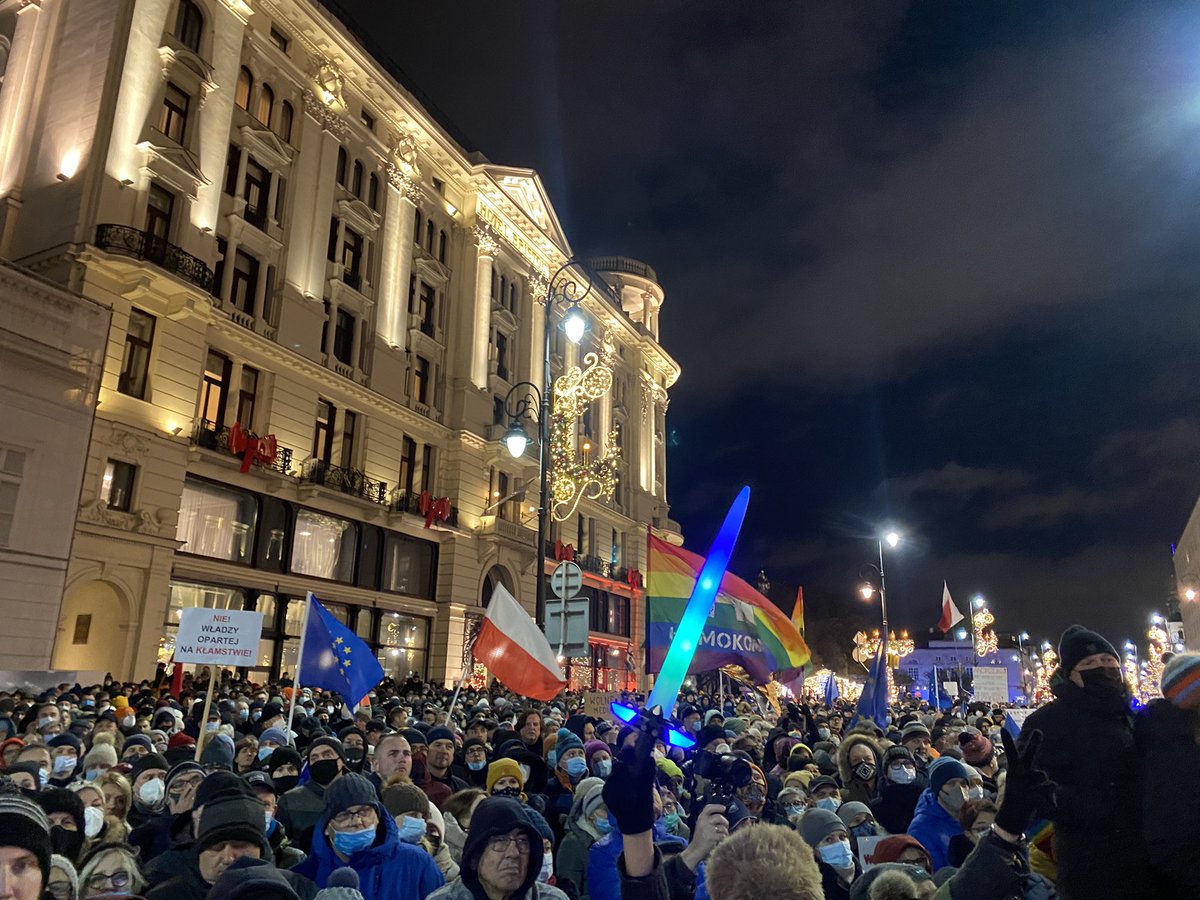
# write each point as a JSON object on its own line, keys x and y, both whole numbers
{"x": 539, "y": 287}
{"x": 409, "y": 189}
{"x": 327, "y": 117}
{"x": 485, "y": 238}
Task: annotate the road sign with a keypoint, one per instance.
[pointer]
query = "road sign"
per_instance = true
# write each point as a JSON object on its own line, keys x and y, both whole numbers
{"x": 566, "y": 580}
{"x": 572, "y": 633}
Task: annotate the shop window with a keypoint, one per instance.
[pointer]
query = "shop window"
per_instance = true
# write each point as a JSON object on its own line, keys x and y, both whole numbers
{"x": 274, "y": 521}
{"x": 216, "y": 522}
{"x": 324, "y": 546}
{"x": 409, "y": 566}
{"x": 403, "y": 643}
{"x": 370, "y": 551}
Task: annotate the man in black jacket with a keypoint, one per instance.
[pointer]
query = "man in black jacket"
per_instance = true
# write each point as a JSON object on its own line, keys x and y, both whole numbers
{"x": 1088, "y": 750}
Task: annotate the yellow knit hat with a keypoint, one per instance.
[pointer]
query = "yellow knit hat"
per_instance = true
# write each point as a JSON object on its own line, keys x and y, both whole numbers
{"x": 501, "y": 768}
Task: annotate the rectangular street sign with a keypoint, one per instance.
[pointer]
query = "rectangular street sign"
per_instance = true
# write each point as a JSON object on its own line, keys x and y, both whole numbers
{"x": 575, "y": 639}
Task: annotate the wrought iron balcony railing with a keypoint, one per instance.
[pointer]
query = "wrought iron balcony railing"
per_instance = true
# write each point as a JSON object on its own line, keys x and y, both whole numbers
{"x": 128, "y": 241}
{"x": 349, "y": 481}
{"x": 212, "y": 436}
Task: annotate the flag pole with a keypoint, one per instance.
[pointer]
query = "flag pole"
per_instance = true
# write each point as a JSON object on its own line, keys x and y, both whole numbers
{"x": 458, "y": 690}
{"x": 308, "y": 599}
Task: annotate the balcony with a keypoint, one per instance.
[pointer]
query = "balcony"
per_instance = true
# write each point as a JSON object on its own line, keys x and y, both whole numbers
{"x": 211, "y": 436}
{"x": 352, "y": 279}
{"x": 126, "y": 241}
{"x": 513, "y": 531}
{"x": 401, "y": 501}
{"x": 348, "y": 481}
{"x": 622, "y": 264}
{"x": 594, "y": 565}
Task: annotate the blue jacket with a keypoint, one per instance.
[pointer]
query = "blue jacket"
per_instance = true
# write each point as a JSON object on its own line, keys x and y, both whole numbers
{"x": 933, "y": 827}
{"x": 603, "y": 879}
{"x": 390, "y": 870}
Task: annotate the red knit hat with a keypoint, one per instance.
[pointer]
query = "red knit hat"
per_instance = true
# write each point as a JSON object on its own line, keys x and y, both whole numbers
{"x": 180, "y": 739}
{"x": 976, "y": 749}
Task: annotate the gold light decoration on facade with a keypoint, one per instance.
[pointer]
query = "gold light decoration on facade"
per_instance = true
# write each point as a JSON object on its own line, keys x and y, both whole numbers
{"x": 1045, "y": 672}
{"x": 576, "y": 471}
{"x": 985, "y": 636}
{"x": 866, "y": 648}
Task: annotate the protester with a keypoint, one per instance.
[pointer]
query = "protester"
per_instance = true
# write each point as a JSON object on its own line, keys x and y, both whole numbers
{"x": 300, "y": 808}
{"x": 457, "y": 815}
{"x": 25, "y": 846}
{"x": 935, "y": 821}
{"x": 110, "y": 869}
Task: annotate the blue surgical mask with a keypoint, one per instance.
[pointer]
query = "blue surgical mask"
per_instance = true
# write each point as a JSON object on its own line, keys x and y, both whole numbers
{"x": 210, "y": 727}
{"x": 604, "y": 826}
{"x": 604, "y": 767}
{"x": 901, "y": 775}
{"x": 264, "y": 752}
{"x": 412, "y": 829}
{"x": 64, "y": 764}
{"x": 256, "y": 715}
{"x": 793, "y": 809}
{"x": 576, "y": 767}
{"x": 829, "y": 803}
{"x": 866, "y": 829}
{"x": 478, "y": 766}
{"x": 837, "y": 855}
{"x": 348, "y": 843}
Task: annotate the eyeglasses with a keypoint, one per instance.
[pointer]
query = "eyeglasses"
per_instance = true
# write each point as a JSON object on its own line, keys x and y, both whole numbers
{"x": 60, "y": 890}
{"x": 364, "y": 814}
{"x": 118, "y": 880}
{"x": 500, "y": 843}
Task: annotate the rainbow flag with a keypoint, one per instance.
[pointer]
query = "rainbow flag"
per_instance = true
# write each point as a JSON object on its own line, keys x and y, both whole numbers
{"x": 744, "y": 629}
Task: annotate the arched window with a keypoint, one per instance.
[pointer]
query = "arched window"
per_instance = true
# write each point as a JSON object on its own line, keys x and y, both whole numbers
{"x": 429, "y": 235}
{"x": 245, "y": 85}
{"x": 356, "y": 181}
{"x": 266, "y": 104}
{"x": 189, "y": 25}
{"x": 442, "y": 247}
{"x": 286, "y": 114}
{"x": 341, "y": 166}
{"x": 373, "y": 192}
{"x": 503, "y": 288}
{"x": 417, "y": 229}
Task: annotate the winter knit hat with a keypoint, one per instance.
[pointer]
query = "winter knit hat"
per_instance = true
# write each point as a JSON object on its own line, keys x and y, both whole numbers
{"x": 945, "y": 768}
{"x": 850, "y": 811}
{"x": 342, "y": 884}
{"x": 145, "y": 763}
{"x": 139, "y": 740}
{"x": 400, "y": 799}
{"x": 708, "y": 734}
{"x": 501, "y": 767}
{"x": 230, "y": 817}
{"x": 1077, "y": 643}
{"x": 818, "y": 824}
{"x": 252, "y": 879}
{"x": 24, "y": 825}
{"x": 101, "y": 754}
{"x": 591, "y": 748}
{"x": 350, "y": 790}
{"x": 976, "y": 749}
{"x": 1181, "y": 680}
{"x": 439, "y": 733}
{"x": 592, "y": 801}
{"x": 218, "y": 752}
{"x": 567, "y": 740}
{"x": 277, "y": 735}
{"x": 64, "y": 865}
{"x": 61, "y": 800}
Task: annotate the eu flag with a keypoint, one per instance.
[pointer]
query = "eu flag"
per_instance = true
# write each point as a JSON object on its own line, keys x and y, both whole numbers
{"x": 334, "y": 658}
{"x": 831, "y": 690}
{"x": 873, "y": 701}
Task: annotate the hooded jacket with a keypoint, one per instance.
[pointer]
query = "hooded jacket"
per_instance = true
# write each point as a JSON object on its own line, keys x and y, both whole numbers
{"x": 855, "y": 789}
{"x": 933, "y": 826}
{"x": 388, "y": 870}
{"x": 571, "y": 859}
{"x": 493, "y": 817}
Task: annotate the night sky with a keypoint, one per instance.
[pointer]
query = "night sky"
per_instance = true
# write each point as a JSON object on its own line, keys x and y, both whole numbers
{"x": 933, "y": 264}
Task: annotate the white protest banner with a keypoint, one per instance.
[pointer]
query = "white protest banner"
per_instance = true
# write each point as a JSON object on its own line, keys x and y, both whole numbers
{"x": 219, "y": 637}
{"x": 991, "y": 684}
{"x": 866, "y": 850}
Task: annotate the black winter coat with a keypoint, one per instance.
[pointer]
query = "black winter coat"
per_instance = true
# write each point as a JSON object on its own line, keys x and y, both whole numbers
{"x": 1088, "y": 751}
{"x": 1170, "y": 754}
{"x": 894, "y": 807}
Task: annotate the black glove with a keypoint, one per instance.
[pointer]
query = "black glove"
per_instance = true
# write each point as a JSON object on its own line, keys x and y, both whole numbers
{"x": 629, "y": 789}
{"x": 1028, "y": 793}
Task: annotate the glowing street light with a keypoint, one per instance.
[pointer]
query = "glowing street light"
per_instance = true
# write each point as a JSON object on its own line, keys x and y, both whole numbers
{"x": 867, "y": 591}
{"x": 574, "y": 324}
{"x": 893, "y": 539}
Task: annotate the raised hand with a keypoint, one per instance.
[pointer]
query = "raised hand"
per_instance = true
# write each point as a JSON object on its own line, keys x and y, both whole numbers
{"x": 1028, "y": 793}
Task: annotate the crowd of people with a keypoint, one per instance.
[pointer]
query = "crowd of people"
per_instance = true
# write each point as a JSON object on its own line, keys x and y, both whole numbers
{"x": 131, "y": 790}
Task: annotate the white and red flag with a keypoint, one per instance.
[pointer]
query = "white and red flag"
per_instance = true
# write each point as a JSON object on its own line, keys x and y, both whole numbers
{"x": 950, "y": 614}
{"x": 515, "y": 650}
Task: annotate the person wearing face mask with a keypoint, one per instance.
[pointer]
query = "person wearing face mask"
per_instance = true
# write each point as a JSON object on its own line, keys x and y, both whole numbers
{"x": 790, "y": 803}
{"x": 581, "y": 831}
{"x": 935, "y": 821}
{"x": 149, "y": 790}
{"x": 66, "y": 753}
{"x": 64, "y": 811}
{"x": 475, "y": 761}
{"x": 825, "y": 833}
{"x": 95, "y": 824}
{"x": 302, "y": 806}
{"x": 980, "y": 754}
{"x": 286, "y": 855}
{"x": 270, "y": 740}
{"x": 900, "y": 788}
{"x": 570, "y": 768}
{"x": 164, "y": 842}
{"x": 1099, "y": 843}
{"x": 858, "y": 758}
{"x": 356, "y": 830}
{"x": 283, "y": 765}
{"x": 355, "y": 745}
{"x": 824, "y": 793}
{"x": 599, "y": 758}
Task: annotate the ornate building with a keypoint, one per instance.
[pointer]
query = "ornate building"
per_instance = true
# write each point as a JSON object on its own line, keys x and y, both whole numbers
{"x": 319, "y": 300}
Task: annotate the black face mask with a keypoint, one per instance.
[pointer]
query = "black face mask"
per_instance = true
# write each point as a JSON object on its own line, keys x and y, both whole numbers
{"x": 66, "y": 843}
{"x": 284, "y": 783}
{"x": 1104, "y": 680}
{"x": 354, "y": 754}
{"x": 864, "y": 771}
{"x": 323, "y": 771}
{"x": 507, "y": 792}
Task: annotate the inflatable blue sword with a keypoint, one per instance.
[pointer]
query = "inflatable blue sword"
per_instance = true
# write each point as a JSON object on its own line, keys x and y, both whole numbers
{"x": 662, "y": 699}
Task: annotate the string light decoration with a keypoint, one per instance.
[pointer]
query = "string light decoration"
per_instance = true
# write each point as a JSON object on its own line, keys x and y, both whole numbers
{"x": 1045, "y": 671}
{"x": 1131, "y": 675}
{"x": 575, "y": 474}
{"x": 1152, "y": 682}
{"x": 866, "y": 648}
{"x": 985, "y": 636}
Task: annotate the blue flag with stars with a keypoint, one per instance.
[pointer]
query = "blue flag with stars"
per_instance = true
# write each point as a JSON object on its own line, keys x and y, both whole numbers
{"x": 335, "y": 658}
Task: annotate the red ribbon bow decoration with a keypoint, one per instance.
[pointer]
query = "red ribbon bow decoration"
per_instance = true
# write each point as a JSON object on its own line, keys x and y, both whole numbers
{"x": 251, "y": 449}
{"x": 433, "y": 508}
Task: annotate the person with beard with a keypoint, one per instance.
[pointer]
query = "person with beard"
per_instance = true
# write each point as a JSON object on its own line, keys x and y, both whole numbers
{"x": 900, "y": 786}
{"x": 64, "y": 811}
{"x": 440, "y": 758}
{"x": 354, "y": 745}
{"x": 1088, "y": 750}
{"x": 300, "y": 808}
{"x": 283, "y": 765}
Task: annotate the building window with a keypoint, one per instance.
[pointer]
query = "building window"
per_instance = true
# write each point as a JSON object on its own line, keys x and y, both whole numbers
{"x": 12, "y": 471}
{"x": 279, "y": 39}
{"x": 367, "y": 119}
{"x": 442, "y": 241}
{"x": 342, "y": 163}
{"x": 426, "y": 307}
{"x": 324, "y": 546}
{"x": 427, "y": 479}
{"x": 403, "y": 646}
{"x": 160, "y": 206}
{"x": 502, "y": 355}
{"x": 245, "y": 282}
{"x": 216, "y": 521}
{"x": 233, "y": 160}
{"x": 266, "y": 104}
{"x": 116, "y": 490}
{"x": 356, "y": 179}
{"x": 408, "y": 565}
{"x": 343, "y": 337}
{"x": 408, "y": 464}
{"x": 349, "y": 437}
{"x": 429, "y": 230}
{"x": 417, "y": 228}
{"x": 286, "y": 117}
{"x": 172, "y": 119}
{"x": 373, "y": 192}
{"x": 323, "y": 433}
{"x": 139, "y": 339}
{"x": 258, "y": 189}
{"x": 498, "y": 415}
{"x": 280, "y": 195}
{"x": 214, "y": 388}
{"x": 244, "y": 88}
{"x": 247, "y": 398}
{"x": 189, "y": 25}
{"x": 421, "y": 380}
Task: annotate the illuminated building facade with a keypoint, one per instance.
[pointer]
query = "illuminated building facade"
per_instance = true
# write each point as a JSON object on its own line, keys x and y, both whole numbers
{"x": 319, "y": 300}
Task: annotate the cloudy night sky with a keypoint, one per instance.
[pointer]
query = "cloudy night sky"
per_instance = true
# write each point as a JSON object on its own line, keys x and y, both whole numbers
{"x": 931, "y": 263}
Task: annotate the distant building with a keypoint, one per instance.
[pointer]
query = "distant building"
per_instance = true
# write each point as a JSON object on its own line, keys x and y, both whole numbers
{"x": 952, "y": 662}
{"x": 1186, "y": 561}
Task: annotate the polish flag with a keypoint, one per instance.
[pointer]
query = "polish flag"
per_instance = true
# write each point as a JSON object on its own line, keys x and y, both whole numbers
{"x": 950, "y": 614}
{"x": 515, "y": 651}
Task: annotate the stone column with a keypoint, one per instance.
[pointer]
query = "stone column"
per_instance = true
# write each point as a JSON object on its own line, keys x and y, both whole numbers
{"x": 322, "y": 130}
{"x": 489, "y": 245}
{"x": 396, "y": 265}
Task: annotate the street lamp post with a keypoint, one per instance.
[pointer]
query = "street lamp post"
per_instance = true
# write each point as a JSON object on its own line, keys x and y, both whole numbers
{"x": 1021, "y": 639}
{"x": 523, "y": 397}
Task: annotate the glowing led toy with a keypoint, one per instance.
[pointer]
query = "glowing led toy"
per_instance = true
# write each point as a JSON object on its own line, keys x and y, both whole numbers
{"x": 661, "y": 702}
